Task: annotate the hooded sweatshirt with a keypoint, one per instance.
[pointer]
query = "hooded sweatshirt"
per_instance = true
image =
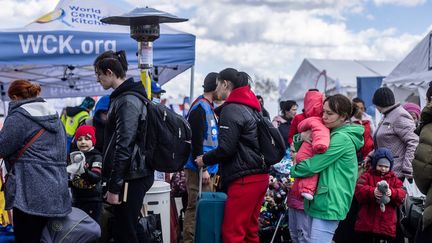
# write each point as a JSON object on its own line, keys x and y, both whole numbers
{"x": 338, "y": 174}
{"x": 238, "y": 150}
{"x": 38, "y": 181}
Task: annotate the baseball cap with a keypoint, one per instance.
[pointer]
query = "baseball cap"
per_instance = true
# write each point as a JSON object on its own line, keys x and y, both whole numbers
{"x": 156, "y": 88}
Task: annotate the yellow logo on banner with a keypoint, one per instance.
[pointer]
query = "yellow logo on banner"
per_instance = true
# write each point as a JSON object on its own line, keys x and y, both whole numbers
{"x": 51, "y": 16}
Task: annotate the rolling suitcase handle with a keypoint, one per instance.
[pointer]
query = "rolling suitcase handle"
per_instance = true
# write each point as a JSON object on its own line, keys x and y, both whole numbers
{"x": 200, "y": 182}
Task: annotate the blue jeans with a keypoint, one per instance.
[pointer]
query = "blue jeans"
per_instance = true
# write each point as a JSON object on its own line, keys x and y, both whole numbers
{"x": 322, "y": 231}
{"x": 299, "y": 225}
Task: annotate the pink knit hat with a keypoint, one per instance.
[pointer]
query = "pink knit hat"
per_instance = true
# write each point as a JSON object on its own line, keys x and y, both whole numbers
{"x": 411, "y": 107}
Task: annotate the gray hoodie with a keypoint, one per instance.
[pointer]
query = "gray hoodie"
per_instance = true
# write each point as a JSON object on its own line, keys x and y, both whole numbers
{"x": 37, "y": 183}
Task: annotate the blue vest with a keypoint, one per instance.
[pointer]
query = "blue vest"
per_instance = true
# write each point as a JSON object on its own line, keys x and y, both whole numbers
{"x": 210, "y": 134}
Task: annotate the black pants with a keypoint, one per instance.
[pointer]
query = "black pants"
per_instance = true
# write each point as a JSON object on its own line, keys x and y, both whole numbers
{"x": 126, "y": 214}
{"x": 93, "y": 209}
{"x": 28, "y": 228}
{"x": 374, "y": 238}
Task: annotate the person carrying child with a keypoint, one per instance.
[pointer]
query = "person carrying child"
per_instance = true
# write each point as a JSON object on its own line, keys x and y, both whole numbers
{"x": 86, "y": 173}
{"x": 376, "y": 219}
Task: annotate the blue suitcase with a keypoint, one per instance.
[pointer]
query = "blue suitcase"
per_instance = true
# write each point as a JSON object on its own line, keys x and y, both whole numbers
{"x": 209, "y": 216}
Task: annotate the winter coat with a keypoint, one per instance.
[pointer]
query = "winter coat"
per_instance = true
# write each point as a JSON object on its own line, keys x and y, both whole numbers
{"x": 370, "y": 217}
{"x": 294, "y": 124}
{"x": 422, "y": 163}
{"x": 313, "y": 103}
{"x": 283, "y": 125}
{"x": 367, "y": 137}
{"x": 75, "y": 117}
{"x": 238, "y": 150}
{"x": 338, "y": 174}
{"x": 320, "y": 138}
{"x": 88, "y": 187}
{"x": 396, "y": 132}
{"x": 125, "y": 116}
{"x": 38, "y": 182}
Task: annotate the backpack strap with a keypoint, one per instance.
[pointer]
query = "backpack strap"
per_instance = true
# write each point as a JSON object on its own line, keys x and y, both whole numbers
{"x": 27, "y": 145}
{"x": 146, "y": 102}
{"x": 21, "y": 153}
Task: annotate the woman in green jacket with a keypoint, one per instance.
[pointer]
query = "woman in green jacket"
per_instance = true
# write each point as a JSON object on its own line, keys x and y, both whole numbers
{"x": 337, "y": 168}
{"x": 422, "y": 166}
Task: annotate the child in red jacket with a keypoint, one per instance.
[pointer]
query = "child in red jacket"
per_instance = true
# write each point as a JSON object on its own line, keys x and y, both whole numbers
{"x": 373, "y": 223}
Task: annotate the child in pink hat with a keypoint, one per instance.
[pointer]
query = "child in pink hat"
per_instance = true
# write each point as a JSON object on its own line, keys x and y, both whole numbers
{"x": 414, "y": 111}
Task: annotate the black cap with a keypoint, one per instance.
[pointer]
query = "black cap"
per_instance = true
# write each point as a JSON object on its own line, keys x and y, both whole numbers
{"x": 210, "y": 82}
{"x": 383, "y": 97}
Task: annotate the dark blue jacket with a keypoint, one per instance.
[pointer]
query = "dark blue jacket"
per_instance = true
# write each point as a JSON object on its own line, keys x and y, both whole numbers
{"x": 38, "y": 182}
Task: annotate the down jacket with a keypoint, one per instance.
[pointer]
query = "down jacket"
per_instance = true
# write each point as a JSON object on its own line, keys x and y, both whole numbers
{"x": 313, "y": 107}
{"x": 368, "y": 140}
{"x": 396, "y": 132}
{"x": 422, "y": 163}
{"x": 370, "y": 218}
{"x": 320, "y": 138}
{"x": 238, "y": 150}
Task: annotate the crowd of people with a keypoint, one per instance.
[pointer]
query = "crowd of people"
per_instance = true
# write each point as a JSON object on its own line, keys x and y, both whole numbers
{"x": 346, "y": 168}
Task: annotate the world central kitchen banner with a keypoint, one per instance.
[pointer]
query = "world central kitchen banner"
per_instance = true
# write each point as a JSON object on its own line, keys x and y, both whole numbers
{"x": 73, "y": 34}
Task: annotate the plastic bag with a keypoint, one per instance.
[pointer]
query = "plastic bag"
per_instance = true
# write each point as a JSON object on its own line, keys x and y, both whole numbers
{"x": 412, "y": 189}
{"x": 150, "y": 229}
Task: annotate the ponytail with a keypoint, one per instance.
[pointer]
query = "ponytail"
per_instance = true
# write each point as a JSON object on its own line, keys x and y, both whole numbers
{"x": 114, "y": 61}
{"x": 238, "y": 79}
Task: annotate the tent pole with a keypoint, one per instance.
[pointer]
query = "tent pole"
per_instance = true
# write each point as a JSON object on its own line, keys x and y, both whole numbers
{"x": 2, "y": 93}
{"x": 192, "y": 80}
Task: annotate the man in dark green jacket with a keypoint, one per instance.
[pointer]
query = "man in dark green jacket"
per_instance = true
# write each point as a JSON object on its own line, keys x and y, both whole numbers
{"x": 422, "y": 164}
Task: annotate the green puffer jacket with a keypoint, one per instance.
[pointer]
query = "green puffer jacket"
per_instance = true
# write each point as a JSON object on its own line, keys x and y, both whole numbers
{"x": 338, "y": 171}
{"x": 422, "y": 163}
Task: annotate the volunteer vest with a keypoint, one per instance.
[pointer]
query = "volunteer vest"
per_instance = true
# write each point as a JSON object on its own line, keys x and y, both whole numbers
{"x": 210, "y": 134}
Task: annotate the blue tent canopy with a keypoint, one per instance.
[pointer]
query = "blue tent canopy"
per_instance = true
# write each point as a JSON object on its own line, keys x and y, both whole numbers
{"x": 58, "y": 49}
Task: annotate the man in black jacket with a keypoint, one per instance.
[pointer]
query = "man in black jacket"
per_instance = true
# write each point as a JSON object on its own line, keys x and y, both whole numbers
{"x": 124, "y": 168}
{"x": 244, "y": 173}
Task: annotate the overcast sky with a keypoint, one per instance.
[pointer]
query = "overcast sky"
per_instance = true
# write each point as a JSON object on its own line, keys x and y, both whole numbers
{"x": 270, "y": 38}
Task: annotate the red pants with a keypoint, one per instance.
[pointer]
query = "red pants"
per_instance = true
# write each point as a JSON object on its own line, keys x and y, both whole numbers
{"x": 242, "y": 208}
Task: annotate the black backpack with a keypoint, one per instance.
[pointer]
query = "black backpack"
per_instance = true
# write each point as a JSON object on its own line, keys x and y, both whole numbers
{"x": 168, "y": 137}
{"x": 271, "y": 143}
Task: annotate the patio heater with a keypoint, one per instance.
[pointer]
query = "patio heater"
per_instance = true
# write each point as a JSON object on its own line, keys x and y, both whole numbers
{"x": 145, "y": 29}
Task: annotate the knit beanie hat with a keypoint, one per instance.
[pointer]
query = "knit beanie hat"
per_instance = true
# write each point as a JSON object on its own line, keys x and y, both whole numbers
{"x": 86, "y": 131}
{"x": 88, "y": 103}
{"x": 384, "y": 162}
{"x": 210, "y": 82}
{"x": 383, "y": 156}
{"x": 411, "y": 107}
{"x": 383, "y": 97}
